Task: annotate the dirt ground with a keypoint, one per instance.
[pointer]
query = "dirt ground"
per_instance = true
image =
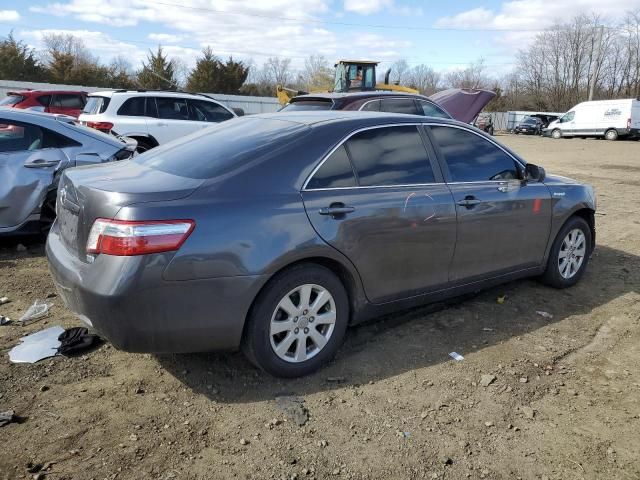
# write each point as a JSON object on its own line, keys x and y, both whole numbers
{"x": 564, "y": 404}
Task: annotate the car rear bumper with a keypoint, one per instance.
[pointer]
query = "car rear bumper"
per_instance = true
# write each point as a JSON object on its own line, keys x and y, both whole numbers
{"x": 127, "y": 302}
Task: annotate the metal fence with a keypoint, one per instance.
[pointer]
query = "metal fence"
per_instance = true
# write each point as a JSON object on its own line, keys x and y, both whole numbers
{"x": 248, "y": 104}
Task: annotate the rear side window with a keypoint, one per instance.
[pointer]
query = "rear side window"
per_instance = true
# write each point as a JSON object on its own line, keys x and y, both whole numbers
{"x": 203, "y": 111}
{"x": 223, "y": 148}
{"x": 390, "y": 156}
{"x": 372, "y": 106}
{"x": 19, "y": 136}
{"x": 308, "y": 105}
{"x": 472, "y": 158}
{"x": 171, "y": 108}
{"x": 336, "y": 171}
{"x": 430, "y": 110}
{"x": 133, "y": 107}
{"x": 399, "y": 105}
{"x": 96, "y": 105}
{"x": 64, "y": 100}
{"x": 11, "y": 100}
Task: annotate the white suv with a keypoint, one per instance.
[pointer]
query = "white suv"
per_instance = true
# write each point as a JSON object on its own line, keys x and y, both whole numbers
{"x": 151, "y": 117}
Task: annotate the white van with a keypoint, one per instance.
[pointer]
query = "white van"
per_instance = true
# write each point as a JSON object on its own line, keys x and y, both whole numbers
{"x": 603, "y": 118}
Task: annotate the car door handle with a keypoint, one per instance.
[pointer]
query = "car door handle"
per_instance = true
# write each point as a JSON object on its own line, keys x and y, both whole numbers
{"x": 41, "y": 163}
{"x": 337, "y": 210}
{"x": 469, "y": 202}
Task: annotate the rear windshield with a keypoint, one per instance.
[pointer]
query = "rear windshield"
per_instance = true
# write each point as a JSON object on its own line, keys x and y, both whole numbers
{"x": 11, "y": 100}
{"x": 222, "y": 148}
{"x": 530, "y": 121}
{"x": 96, "y": 105}
{"x": 308, "y": 105}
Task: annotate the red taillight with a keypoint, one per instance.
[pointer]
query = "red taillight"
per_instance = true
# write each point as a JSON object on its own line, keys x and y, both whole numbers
{"x": 127, "y": 238}
{"x": 102, "y": 126}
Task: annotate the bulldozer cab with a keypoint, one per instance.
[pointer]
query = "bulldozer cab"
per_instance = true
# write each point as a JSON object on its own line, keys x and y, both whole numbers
{"x": 355, "y": 75}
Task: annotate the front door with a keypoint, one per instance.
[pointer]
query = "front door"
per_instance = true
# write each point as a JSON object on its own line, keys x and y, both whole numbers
{"x": 503, "y": 222}
{"x": 379, "y": 200}
{"x": 173, "y": 120}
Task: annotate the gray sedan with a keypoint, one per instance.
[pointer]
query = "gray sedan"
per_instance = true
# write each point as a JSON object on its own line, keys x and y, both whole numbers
{"x": 34, "y": 150}
{"x": 273, "y": 233}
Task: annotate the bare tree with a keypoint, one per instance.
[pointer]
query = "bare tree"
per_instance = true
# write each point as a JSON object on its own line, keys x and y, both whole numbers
{"x": 276, "y": 71}
{"x": 424, "y": 79}
{"x": 317, "y": 73}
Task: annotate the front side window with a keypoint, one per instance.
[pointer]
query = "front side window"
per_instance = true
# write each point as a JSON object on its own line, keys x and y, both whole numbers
{"x": 472, "y": 158}
{"x": 133, "y": 107}
{"x": 203, "y": 111}
{"x": 399, "y": 105}
{"x": 44, "y": 100}
{"x": 64, "y": 100}
{"x": 568, "y": 117}
{"x": 390, "y": 156}
{"x": 431, "y": 110}
{"x": 172, "y": 108}
{"x": 336, "y": 171}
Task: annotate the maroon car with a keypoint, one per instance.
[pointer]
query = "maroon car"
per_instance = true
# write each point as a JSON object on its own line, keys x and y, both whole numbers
{"x": 67, "y": 102}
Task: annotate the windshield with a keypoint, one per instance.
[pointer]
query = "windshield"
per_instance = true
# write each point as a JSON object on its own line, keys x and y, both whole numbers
{"x": 222, "y": 148}
{"x": 96, "y": 105}
{"x": 308, "y": 105}
{"x": 10, "y": 100}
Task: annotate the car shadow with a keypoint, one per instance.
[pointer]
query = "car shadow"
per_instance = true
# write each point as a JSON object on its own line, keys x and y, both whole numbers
{"x": 401, "y": 342}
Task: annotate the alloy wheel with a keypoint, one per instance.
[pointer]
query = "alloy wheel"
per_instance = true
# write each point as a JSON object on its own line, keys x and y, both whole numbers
{"x": 302, "y": 323}
{"x": 572, "y": 253}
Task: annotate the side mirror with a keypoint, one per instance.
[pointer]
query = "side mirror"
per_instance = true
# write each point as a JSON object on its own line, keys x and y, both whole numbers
{"x": 534, "y": 173}
{"x": 238, "y": 111}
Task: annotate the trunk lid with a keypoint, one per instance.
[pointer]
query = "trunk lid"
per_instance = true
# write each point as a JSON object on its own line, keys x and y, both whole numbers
{"x": 100, "y": 191}
{"x": 463, "y": 104}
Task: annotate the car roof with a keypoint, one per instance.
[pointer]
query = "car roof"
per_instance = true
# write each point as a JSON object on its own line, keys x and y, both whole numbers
{"x": 30, "y": 115}
{"x": 44, "y": 92}
{"x": 358, "y": 95}
{"x": 315, "y": 117}
{"x": 142, "y": 93}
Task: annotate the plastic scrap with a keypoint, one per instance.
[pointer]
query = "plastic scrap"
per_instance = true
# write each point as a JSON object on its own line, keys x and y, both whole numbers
{"x": 4, "y": 320}
{"x": 6, "y": 417}
{"x": 33, "y": 348}
{"x": 456, "y": 356}
{"x": 501, "y": 299}
{"x": 4, "y": 300}
{"x": 544, "y": 314}
{"x": 39, "y": 309}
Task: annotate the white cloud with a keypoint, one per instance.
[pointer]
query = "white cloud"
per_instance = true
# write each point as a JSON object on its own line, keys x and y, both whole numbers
{"x": 367, "y": 7}
{"x": 534, "y": 14}
{"x": 165, "y": 37}
{"x": 9, "y": 16}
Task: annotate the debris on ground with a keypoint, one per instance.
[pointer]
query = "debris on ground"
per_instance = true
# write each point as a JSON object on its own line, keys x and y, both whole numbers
{"x": 528, "y": 412}
{"x": 21, "y": 248}
{"x": 501, "y": 299}
{"x": 4, "y": 300}
{"x": 293, "y": 408}
{"x": 6, "y": 417}
{"x": 335, "y": 379}
{"x": 4, "y": 320}
{"x": 37, "y": 346}
{"x": 77, "y": 340}
{"x": 39, "y": 309}
{"x": 487, "y": 379}
{"x": 456, "y": 356}
{"x": 544, "y": 314}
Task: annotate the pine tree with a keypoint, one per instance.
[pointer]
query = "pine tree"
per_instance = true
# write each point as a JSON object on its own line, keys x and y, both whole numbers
{"x": 158, "y": 73}
{"x": 18, "y": 62}
{"x": 212, "y": 76}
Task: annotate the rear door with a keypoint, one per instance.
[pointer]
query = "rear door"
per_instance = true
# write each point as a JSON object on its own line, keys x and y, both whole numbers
{"x": 172, "y": 119}
{"x": 503, "y": 223}
{"x": 379, "y": 199}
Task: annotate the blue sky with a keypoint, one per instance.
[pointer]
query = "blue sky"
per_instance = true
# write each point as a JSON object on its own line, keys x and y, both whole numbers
{"x": 444, "y": 35}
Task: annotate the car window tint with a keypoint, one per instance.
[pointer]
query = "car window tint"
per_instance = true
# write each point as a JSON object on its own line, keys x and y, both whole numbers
{"x": 19, "y": 136}
{"x": 399, "y": 105}
{"x": 390, "y": 156}
{"x": 335, "y": 172}
{"x": 472, "y": 158}
{"x": 11, "y": 100}
{"x": 203, "y": 111}
{"x": 371, "y": 106}
{"x": 44, "y": 100}
{"x": 67, "y": 101}
{"x": 133, "y": 107}
{"x": 224, "y": 147}
{"x": 308, "y": 105}
{"x": 431, "y": 110}
{"x": 172, "y": 108}
{"x": 96, "y": 105}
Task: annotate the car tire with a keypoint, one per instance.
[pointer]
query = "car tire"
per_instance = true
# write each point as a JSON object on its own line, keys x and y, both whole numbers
{"x": 143, "y": 145}
{"x": 273, "y": 338}
{"x": 491, "y": 131}
{"x": 556, "y": 134}
{"x": 611, "y": 134}
{"x": 48, "y": 212}
{"x": 574, "y": 238}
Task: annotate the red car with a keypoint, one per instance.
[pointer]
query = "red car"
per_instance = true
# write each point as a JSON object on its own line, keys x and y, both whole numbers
{"x": 66, "y": 102}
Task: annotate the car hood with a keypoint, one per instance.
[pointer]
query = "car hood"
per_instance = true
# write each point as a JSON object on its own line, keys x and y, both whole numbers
{"x": 463, "y": 104}
{"x": 550, "y": 179}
